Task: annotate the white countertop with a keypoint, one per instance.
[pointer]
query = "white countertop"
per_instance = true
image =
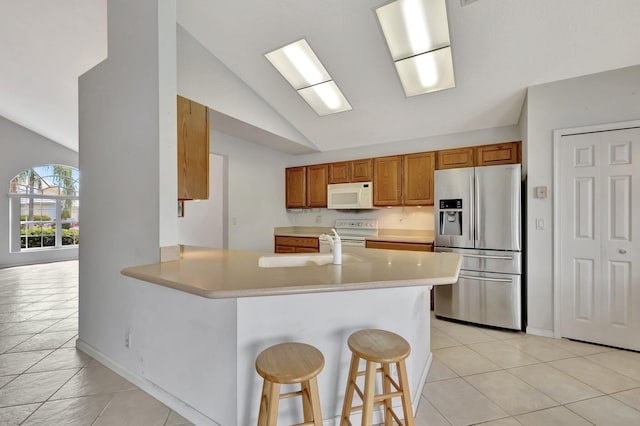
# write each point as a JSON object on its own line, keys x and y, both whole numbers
{"x": 216, "y": 273}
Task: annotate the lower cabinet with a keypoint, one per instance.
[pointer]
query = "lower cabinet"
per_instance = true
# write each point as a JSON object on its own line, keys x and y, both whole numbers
{"x": 297, "y": 245}
{"x": 392, "y": 245}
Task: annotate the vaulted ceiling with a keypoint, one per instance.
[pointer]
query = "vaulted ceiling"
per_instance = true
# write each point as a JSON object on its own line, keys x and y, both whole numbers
{"x": 499, "y": 49}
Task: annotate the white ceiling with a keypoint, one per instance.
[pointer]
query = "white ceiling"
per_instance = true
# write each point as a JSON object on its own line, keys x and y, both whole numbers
{"x": 499, "y": 48}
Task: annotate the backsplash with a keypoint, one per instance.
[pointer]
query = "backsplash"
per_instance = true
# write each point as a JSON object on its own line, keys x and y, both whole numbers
{"x": 388, "y": 218}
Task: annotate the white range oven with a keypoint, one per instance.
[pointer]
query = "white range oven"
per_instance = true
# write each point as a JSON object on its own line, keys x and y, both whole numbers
{"x": 353, "y": 232}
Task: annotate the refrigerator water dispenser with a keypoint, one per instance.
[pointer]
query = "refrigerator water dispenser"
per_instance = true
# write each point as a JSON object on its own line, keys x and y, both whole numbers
{"x": 451, "y": 217}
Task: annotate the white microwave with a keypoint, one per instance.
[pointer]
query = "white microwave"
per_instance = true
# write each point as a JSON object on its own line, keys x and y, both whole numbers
{"x": 357, "y": 195}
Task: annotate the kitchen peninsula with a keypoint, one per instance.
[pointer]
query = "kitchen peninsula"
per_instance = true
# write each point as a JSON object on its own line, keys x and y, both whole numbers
{"x": 215, "y": 310}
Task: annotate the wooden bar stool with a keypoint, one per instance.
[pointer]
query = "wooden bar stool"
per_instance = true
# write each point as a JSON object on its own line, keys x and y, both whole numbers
{"x": 288, "y": 363}
{"x": 378, "y": 347}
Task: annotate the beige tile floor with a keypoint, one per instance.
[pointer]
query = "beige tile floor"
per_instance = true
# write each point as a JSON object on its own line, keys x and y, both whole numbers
{"x": 44, "y": 379}
{"x": 478, "y": 376}
{"x": 491, "y": 377}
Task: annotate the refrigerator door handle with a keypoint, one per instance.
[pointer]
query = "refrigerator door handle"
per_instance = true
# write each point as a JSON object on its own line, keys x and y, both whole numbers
{"x": 472, "y": 235}
{"x": 498, "y": 280}
{"x": 484, "y": 256}
{"x": 477, "y": 207}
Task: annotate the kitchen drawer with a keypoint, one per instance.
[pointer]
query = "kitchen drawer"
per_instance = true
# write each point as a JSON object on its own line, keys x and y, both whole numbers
{"x": 296, "y": 244}
{"x": 297, "y": 241}
{"x": 394, "y": 245}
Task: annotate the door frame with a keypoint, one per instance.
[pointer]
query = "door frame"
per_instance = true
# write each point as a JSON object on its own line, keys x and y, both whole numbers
{"x": 557, "y": 227}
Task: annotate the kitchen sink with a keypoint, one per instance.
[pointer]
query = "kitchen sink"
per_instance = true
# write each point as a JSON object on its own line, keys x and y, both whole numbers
{"x": 294, "y": 260}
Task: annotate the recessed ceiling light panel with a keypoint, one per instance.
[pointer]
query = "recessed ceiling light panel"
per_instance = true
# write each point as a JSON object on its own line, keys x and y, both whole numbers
{"x": 325, "y": 98}
{"x": 426, "y": 73}
{"x": 300, "y": 66}
{"x": 417, "y": 34}
{"x": 412, "y": 27}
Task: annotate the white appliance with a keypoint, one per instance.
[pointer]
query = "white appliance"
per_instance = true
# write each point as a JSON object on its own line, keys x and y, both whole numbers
{"x": 352, "y": 232}
{"x": 356, "y": 195}
{"x": 477, "y": 212}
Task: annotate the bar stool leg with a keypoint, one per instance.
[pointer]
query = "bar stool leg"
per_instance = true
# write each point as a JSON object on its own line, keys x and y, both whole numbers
{"x": 264, "y": 398}
{"x": 348, "y": 394}
{"x": 306, "y": 402}
{"x": 369, "y": 392}
{"x": 406, "y": 394}
{"x": 314, "y": 397}
{"x": 273, "y": 401}
{"x": 386, "y": 389}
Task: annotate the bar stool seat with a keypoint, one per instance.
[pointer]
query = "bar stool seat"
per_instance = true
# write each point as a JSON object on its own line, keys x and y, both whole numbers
{"x": 290, "y": 363}
{"x": 384, "y": 348}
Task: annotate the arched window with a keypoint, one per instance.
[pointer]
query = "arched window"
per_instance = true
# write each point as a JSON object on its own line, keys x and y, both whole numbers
{"x": 44, "y": 208}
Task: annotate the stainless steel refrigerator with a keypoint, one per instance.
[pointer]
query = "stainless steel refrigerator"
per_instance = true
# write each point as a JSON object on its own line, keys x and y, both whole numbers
{"x": 478, "y": 215}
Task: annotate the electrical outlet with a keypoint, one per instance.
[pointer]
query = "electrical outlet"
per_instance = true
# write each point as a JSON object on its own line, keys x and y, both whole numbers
{"x": 540, "y": 224}
{"x": 319, "y": 218}
{"x": 127, "y": 340}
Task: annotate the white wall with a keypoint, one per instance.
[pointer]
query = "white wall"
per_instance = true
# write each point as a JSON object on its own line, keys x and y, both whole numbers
{"x": 432, "y": 143}
{"x": 256, "y": 192}
{"x": 22, "y": 149}
{"x": 205, "y": 221}
{"x": 122, "y": 103}
{"x": 593, "y": 99}
{"x": 413, "y": 218}
{"x": 203, "y": 78}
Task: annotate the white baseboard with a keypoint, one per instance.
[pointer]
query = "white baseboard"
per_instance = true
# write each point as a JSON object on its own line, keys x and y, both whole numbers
{"x": 540, "y": 332}
{"x": 177, "y": 405}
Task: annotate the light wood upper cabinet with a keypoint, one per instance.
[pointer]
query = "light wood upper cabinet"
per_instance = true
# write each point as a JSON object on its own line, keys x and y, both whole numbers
{"x": 500, "y": 153}
{"x": 306, "y": 186}
{"x": 454, "y": 158}
{"x": 417, "y": 187}
{"x": 296, "y": 187}
{"x": 340, "y": 172}
{"x": 350, "y": 171}
{"x": 387, "y": 181}
{"x": 317, "y": 181}
{"x": 193, "y": 150}
{"x": 362, "y": 170}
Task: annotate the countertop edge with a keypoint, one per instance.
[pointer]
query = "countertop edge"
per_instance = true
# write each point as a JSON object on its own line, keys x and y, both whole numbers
{"x": 286, "y": 290}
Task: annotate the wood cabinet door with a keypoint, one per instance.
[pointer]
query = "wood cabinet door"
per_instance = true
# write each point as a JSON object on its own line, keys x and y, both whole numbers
{"x": 387, "y": 181}
{"x": 317, "y": 185}
{"x": 296, "y": 187}
{"x": 500, "y": 153}
{"x": 454, "y": 158}
{"x": 417, "y": 186}
{"x": 193, "y": 150}
{"x": 362, "y": 170}
{"x": 340, "y": 172}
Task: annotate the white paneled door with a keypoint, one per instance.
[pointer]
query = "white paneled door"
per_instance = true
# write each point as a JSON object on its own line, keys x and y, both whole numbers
{"x": 599, "y": 207}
